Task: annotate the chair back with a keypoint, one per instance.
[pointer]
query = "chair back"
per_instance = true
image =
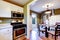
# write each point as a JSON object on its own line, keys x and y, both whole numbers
{"x": 57, "y": 30}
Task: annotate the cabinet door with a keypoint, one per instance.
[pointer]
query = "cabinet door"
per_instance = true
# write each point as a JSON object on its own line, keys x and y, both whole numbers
{"x": 5, "y": 11}
{"x": 6, "y": 34}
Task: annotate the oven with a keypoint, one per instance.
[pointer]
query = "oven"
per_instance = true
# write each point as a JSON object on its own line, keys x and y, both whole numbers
{"x": 20, "y": 31}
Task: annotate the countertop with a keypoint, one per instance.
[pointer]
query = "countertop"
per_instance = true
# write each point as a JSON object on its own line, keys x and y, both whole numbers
{"x": 6, "y": 25}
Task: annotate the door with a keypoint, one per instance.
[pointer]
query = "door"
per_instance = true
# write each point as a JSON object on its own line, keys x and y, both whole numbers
{"x": 5, "y": 10}
{"x": 34, "y": 21}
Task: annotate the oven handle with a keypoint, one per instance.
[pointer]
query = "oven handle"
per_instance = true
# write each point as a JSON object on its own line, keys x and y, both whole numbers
{"x": 20, "y": 28}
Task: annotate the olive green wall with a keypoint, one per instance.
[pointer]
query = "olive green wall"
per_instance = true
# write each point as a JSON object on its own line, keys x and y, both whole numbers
{"x": 57, "y": 11}
{"x": 39, "y": 18}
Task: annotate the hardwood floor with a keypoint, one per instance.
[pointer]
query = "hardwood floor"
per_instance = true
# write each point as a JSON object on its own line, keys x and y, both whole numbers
{"x": 34, "y": 36}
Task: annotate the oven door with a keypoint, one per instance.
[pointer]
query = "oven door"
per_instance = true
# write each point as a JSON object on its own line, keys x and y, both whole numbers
{"x": 20, "y": 31}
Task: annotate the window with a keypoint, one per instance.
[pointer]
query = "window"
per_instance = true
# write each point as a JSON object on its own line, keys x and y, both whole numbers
{"x": 33, "y": 20}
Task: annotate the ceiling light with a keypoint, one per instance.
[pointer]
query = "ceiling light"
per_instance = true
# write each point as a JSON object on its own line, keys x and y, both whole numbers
{"x": 49, "y": 5}
{"x": 47, "y": 12}
{"x": 33, "y": 15}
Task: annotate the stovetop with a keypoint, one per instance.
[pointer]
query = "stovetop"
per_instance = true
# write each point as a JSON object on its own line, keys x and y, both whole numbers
{"x": 18, "y": 25}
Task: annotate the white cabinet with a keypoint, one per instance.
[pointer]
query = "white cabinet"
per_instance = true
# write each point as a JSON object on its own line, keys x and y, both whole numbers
{"x": 16, "y": 8}
{"x": 5, "y": 12}
{"x": 5, "y": 9}
{"x": 6, "y": 34}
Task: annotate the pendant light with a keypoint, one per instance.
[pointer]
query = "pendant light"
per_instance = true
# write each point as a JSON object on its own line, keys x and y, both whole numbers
{"x": 47, "y": 11}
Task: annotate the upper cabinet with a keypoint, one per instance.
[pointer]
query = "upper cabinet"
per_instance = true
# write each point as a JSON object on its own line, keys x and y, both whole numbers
{"x": 5, "y": 12}
{"x": 16, "y": 8}
{"x": 6, "y": 8}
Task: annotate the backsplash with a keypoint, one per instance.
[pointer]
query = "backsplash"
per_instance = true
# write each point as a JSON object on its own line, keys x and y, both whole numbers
{"x": 16, "y": 20}
{"x": 5, "y": 21}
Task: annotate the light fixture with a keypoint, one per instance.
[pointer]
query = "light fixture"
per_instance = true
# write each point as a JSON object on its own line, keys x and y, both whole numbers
{"x": 47, "y": 12}
{"x": 50, "y": 5}
{"x": 33, "y": 15}
{"x": 47, "y": 7}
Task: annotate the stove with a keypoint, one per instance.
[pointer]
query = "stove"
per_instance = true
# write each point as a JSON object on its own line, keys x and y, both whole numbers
{"x": 19, "y": 29}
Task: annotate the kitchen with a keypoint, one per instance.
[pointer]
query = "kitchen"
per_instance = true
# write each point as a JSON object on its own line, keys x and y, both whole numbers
{"x": 18, "y": 21}
{"x": 11, "y": 17}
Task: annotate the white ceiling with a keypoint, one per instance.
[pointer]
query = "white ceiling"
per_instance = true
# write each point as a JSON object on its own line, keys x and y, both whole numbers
{"x": 37, "y": 6}
{"x": 21, "y": 2}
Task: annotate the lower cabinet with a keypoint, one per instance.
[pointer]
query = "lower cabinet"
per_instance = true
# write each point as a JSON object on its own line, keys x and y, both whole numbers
{"x": 6, "y": 34}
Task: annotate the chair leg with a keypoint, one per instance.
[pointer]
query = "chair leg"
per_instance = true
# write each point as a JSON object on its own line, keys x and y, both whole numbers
{"x": 56, "y": 37}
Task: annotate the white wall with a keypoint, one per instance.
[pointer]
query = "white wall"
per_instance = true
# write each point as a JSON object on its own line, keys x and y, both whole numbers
{"x": 54, "y": 19}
